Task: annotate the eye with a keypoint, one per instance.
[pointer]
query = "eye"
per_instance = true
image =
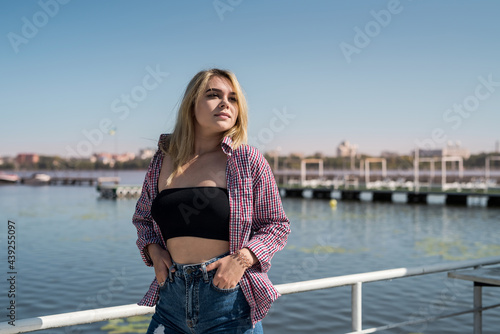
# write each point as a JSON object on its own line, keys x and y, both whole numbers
{"x": 213, "y": 95}
{"x": 234, "y": 99}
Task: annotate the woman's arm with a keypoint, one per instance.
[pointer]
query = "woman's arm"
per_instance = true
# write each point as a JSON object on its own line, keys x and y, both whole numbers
{"x": 270, "y": 228}
{"x": 142, "y": 218}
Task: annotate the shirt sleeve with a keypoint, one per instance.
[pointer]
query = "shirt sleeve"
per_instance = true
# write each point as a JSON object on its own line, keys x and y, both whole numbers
{"x": 269, "y": 222}
{"x": 142, "y": 218}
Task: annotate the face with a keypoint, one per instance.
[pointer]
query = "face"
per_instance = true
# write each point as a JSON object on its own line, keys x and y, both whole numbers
{"x": 217, "y": 108}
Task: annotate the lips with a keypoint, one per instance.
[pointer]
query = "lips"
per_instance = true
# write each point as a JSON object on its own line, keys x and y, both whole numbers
{"x": 223, "y": 115}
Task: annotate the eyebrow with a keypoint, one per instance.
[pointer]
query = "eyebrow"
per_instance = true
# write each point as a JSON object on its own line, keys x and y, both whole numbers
{"x": 217, "y": 90}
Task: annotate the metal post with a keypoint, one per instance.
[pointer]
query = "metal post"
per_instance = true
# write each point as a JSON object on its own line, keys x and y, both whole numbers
{"x": 461, "y": 168}
{"x": 487, "y": 171}
{"x": 302, "y": 172}
{"x": 486, "y": 174}
{"x": 356, "y": 306}
{"x": 433, "y": 172}
{"x": 320, "y": 169}
{"x": 416, "y": 170}
{"x": 443, "y": 173}
{"x": 367, "y": 172}
{"x": 478, "y": 313}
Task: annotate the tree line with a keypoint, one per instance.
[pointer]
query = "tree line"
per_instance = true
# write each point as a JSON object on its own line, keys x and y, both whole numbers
{"x": 292, "y": 161}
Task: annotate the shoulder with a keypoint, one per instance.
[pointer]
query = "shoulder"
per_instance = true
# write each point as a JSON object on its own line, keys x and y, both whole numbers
{"x": 157, "y": 158}
{"x": 252, "y": 154}
{"x": 252, "y": 160}
{"x": 163, "y": 142}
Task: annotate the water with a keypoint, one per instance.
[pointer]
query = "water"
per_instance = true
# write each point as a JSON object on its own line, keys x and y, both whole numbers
{"x": 76, "y": 251}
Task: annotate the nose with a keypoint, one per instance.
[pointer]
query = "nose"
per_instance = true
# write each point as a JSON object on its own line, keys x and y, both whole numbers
{"x": 224, "y": 104}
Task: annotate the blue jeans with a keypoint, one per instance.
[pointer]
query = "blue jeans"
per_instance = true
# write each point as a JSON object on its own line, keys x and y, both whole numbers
{"x": 190, "y": 303}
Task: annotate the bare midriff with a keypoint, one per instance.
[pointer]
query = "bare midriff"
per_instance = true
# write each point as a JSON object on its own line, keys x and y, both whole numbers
{"x": 191, "y": 250}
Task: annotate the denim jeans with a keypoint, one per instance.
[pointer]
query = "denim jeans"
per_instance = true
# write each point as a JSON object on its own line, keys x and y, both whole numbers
{"x": 190, "y": 303}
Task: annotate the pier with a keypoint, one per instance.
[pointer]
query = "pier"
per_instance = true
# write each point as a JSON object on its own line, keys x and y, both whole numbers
{"x": 397, "y": 196}
{"x": 112, "y": 191}
{"x": 69, "y": 180}
{"x": 455, "y": 187}
{"x": 73, "y": 181}
{"x": 449, "y": 198}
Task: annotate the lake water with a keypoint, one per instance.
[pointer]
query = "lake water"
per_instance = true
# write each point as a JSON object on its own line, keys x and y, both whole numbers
{"x": 76, "y": 251}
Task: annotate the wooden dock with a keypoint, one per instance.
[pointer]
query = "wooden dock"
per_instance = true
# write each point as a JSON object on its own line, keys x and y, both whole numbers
{"x": 55, "y": 180}
{"x": 74, "y": 180}
{"x": 113, "y": 191}
{"x": 119, "y": 191}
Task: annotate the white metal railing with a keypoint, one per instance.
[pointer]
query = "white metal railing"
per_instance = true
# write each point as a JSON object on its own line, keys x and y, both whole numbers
{"x": 355, "y": 280}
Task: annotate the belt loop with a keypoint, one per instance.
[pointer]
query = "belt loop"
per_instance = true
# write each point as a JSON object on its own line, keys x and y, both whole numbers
{"x": 204, "y": 270}
{"x": 170, "y": 274}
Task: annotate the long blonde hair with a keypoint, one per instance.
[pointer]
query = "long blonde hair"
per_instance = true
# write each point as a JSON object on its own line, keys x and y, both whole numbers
{"x": 180, "y": 144}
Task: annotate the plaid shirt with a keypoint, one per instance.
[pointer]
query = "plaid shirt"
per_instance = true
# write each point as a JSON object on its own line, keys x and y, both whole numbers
{"x": 257, "y": 221}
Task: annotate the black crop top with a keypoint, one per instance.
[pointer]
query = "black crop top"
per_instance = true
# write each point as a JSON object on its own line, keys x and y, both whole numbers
{"x": 194, "y": 211}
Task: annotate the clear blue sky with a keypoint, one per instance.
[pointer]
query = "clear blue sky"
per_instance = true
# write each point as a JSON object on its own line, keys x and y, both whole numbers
{"x": 344, "y": 70}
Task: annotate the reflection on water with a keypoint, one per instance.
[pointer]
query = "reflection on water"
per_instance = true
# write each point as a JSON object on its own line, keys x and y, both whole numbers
{"x": 456, "y": 250}
{"x": 137, "y": 324}
{"x": 78, "y": 252}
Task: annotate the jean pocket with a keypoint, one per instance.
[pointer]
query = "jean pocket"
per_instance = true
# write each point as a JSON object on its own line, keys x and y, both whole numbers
{"x": 162, "y": 287}
{"x": 236, "y": 288}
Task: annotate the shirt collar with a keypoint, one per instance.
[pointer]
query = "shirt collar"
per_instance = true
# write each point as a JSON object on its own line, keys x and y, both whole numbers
{"x": 227, "y": 146}
{"x": 163, "y": 140}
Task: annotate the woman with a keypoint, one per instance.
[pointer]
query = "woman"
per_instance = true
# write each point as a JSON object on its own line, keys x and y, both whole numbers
{"x": 210, "y": 217}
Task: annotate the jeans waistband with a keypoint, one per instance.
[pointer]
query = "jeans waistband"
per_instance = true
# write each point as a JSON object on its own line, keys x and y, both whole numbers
{"x": 188, "y": 269}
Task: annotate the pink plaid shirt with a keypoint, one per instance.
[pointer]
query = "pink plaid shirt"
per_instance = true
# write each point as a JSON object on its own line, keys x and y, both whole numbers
{"x": 257, "y": 221}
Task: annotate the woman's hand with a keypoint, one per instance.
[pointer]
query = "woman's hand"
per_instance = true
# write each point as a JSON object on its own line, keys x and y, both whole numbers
{"x": 161, "y": 262}
{"x": 230, "y": 270}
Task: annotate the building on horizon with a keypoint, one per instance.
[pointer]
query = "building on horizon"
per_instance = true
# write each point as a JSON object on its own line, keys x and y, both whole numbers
{"x": 346, "y": 149}
{"x": 146, "y": 153}
{"x": 110, "y": 159}
{"x": 423, "y": 153}
{"x": 452, "y": 149}
{"x": 127, "y": 156}
{"x": 104, "y": 158}
{"x": 455, "y": 149}
{"x": 27, "y": 158}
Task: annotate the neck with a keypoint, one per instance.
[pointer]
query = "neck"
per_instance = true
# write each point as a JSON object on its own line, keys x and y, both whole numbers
{"x": 206, "y": 143}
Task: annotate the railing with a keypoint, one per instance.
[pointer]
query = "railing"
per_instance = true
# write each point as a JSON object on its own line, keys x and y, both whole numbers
{"x": 356, "y": 281}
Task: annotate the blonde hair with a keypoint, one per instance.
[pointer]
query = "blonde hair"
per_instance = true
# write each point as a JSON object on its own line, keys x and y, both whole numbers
{"x": 180, "y": 144}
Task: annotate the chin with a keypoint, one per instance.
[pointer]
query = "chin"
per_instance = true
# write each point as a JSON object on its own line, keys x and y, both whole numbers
{"x": 224, "y": 127}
